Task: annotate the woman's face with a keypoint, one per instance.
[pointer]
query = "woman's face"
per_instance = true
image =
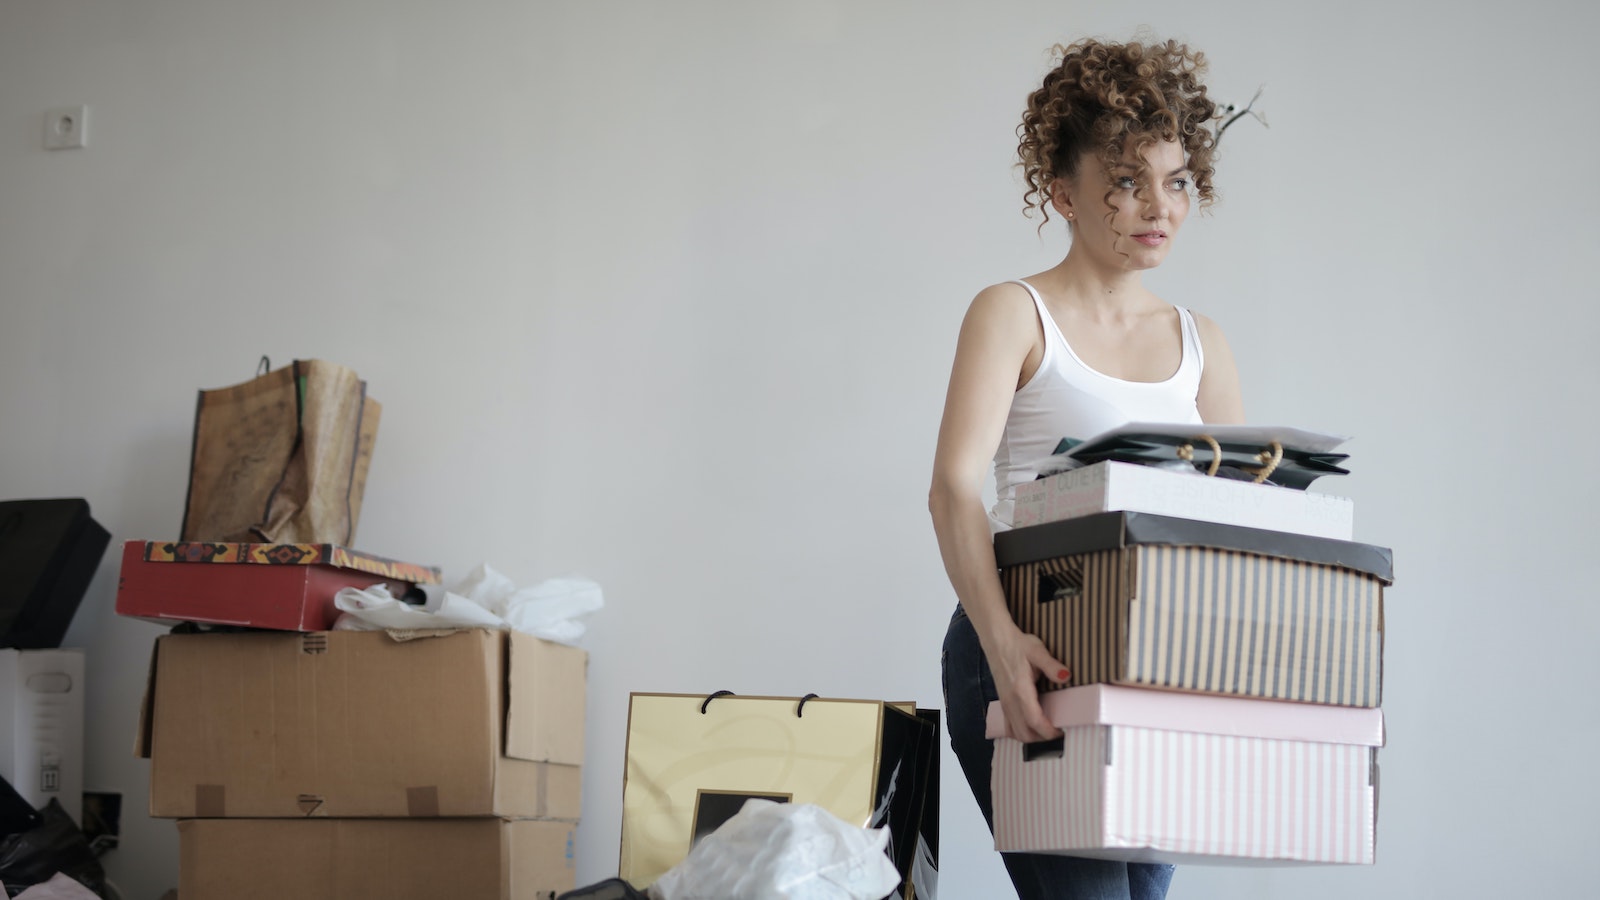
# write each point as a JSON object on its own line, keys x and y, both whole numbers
{"x": 1134, "y": 226}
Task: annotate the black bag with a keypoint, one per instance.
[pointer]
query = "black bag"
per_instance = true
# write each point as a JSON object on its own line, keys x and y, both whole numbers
{"x": 610, "y": 889}
{"x": 56, "y": 845}
{"x": 1271, "y": 461}
{"x": 16, "y": 813}
{"x": 49, "y": 551}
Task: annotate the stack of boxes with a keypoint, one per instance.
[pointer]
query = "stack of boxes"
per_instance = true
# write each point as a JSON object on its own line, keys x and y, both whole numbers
{"x": 1225, "y": 641}
{"x": 335, "y": 764}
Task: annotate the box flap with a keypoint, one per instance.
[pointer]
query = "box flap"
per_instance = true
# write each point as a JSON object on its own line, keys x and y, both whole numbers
{"x": 141, "y": 740}
{"x": 1113, "y": 530}
{"x": 546, "y": 687}
{"x": 288, "y": 555}
{"x": 1104, "y": 704}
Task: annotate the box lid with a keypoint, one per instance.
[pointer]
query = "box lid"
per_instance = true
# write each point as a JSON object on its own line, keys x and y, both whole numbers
{"x": 1116, "y": 530}
{"x": 1104, "y": 704}
{"x": 286, "y": 555}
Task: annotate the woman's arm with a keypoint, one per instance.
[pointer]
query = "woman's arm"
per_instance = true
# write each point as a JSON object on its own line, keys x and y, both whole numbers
{"x": 997, "y": 336}
{"x": 1219, "y": 400}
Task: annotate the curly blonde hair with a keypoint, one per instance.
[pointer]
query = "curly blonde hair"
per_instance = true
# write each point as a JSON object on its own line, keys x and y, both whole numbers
{"x": 1108, "y": 98}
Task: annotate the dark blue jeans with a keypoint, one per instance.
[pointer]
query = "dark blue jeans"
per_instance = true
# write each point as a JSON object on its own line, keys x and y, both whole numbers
{"x": 968, "y": 691}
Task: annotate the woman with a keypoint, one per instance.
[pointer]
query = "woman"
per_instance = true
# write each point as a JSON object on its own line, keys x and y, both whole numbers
{"x": 1115, "y": 141}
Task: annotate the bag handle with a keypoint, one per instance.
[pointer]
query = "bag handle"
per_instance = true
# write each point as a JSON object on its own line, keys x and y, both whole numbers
{"x": 1186, "y": 452}
{"x": 1269, "y": 458}
{"x": 799, "y": 710}
{"x": 713, "y": 697}
{"x": 1269, "y": 461}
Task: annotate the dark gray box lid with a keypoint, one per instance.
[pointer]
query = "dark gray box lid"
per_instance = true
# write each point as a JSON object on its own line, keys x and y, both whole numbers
{"x": 1117, "y": 530}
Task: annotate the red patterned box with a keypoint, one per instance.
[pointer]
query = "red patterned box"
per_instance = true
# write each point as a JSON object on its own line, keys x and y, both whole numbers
{"x": 288, "y": 587}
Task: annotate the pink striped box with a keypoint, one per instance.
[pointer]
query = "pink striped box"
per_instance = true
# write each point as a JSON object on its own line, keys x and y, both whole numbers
{"x": 1155, "y": 776}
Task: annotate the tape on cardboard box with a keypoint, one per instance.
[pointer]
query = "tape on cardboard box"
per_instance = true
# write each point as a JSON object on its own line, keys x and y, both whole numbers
{"x": 210, "y": 801}
{"x": 422, "y": 802}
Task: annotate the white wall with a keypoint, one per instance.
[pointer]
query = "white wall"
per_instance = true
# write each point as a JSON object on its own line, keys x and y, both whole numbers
{"x": 665, "y": 294}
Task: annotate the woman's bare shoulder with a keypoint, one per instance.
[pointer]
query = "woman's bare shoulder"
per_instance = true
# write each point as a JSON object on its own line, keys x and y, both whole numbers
{"x": 1006, "y": 302}
{"x": 1210, "y": 332}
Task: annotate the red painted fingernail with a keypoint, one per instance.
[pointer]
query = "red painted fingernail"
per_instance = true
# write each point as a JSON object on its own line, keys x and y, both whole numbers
{"x": 1063, "y": 675}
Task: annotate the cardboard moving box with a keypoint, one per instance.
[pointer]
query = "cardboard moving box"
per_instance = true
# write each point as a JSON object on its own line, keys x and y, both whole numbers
{"x": 396, "y": 859}
{"x": 1139, "y": 599}
{"x": 357, "y": 724}
{"x": 1156, "y": 776}
{"x": 289, "y": 587}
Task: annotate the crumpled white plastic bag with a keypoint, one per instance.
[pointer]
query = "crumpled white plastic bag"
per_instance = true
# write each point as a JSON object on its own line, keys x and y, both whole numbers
{"x": 484, "y": 599}
{"x": 374, "y": 608}
{"x": 59, "y": 887}
{"x": 783, "y": 851}
{"x": 548, "y": 609}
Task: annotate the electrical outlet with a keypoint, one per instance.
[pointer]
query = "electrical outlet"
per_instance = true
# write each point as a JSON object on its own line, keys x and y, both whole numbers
{"x": 102, "y": 819}
{"x": 66, "y": 127}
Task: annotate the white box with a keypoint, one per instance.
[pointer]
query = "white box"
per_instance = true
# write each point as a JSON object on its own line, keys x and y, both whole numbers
{"x": 1113, "y": 486}
{"x": 1159, "y": 776}
{"x": 41, "y": 714}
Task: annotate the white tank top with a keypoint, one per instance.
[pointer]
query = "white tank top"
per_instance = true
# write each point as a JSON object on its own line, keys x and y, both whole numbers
{"x": 1066, "y": 398}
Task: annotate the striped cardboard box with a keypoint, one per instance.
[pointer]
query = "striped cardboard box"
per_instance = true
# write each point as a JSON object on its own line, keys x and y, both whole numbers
{"x": 1153, "y": 776}
{"x": 1137, "y": 599}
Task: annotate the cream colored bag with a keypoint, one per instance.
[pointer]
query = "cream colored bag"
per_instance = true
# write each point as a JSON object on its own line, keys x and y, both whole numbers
{"x": 282, "y": 458}
{"x": 693, "y": 761}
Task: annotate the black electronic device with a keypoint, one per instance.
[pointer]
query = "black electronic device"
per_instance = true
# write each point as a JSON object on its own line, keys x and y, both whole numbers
{"x": 49, "y": 551}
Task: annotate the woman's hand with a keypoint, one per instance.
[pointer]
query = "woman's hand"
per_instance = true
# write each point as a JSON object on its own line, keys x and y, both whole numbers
{"x": 1016, "y": 661}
